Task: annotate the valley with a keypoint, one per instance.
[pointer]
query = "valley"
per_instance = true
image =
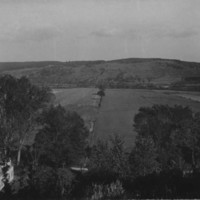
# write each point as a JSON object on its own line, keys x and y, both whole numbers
{"x": 118, "y": 108}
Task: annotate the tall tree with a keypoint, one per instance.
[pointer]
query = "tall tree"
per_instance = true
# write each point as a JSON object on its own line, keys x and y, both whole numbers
{"x": 20, "y": 103}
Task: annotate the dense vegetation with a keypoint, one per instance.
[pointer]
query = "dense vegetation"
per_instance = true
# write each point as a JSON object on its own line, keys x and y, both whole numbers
{"x": 164, "y": 162}
{"x": 45, "y": 141}
{"x": 42, "y": 140}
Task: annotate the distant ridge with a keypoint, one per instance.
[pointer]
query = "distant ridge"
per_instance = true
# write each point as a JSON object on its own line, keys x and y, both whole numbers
{"x": 119, "y": 73}
{"x": 4, "y": 66}
{"x": 142, "y": 59}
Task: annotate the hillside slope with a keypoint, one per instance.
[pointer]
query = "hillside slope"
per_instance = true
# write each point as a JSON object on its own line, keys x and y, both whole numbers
{"x": 124, "y": 73}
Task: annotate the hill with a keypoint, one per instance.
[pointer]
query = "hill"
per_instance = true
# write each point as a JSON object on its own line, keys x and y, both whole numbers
{"x": 123, "y": 73}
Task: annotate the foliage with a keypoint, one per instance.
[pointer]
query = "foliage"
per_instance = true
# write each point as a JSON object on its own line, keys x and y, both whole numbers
{"x": 49, "y": 182}
{"x": 101, "y": 89}
{"x": 20, "y": 103}
{"x": 101, "y": 93}
{"x": 62, "y": 140}
{"x": 168, "y": 138}
{"x": 111, "y": 191}
{"x": 119, "y": 156}
{"x": 64, "y": 181}
{"x": 21, "y": 180}
{"x": 143, "y": 157}
{"x": 164, "y": 162}
{"x": 110, "y": 157}
{"x": 20, "y": 98}
{"x": 44, "y": 181}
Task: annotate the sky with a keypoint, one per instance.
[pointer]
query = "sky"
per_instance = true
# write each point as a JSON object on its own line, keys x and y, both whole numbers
{"x": 66, "y": 30}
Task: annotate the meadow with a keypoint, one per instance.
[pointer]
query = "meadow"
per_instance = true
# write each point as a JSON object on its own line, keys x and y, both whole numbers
{"x": 119, "y": 106}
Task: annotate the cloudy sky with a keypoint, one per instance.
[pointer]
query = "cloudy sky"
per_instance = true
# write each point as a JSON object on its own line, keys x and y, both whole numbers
{"x": 33, "y": 30}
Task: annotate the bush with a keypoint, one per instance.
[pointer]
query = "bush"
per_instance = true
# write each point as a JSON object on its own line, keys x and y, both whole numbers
{"x": 64, "y": 181}
{"x": 44, "y": 181}
{"x": 111, "y": 191}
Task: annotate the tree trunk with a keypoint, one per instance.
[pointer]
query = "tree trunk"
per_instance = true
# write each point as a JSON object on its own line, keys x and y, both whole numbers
{"x": 19, "y": 155}
{"x": 193, "y": 161}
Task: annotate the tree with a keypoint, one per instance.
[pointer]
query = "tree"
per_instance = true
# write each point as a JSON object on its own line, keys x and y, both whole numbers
{"x": 20, "y": 103}
{"x": 100, "y": 157}
{"x": 187, "y": 139}
{"x": 64, "y": 181}
{"x": 50, "y": 182}
{"x": 169, "y": 131}
{"x": 62, "y": 140}
{"x": 110, "y": 157}
{"x": 119, "y": 156}
{"x": 44, "y": 181}
{"x": 101, "y": 92}
{"x": 143, "y": 158}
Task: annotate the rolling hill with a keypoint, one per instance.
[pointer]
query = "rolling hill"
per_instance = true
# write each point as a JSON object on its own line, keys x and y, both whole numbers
{"x": 123, "y": 73}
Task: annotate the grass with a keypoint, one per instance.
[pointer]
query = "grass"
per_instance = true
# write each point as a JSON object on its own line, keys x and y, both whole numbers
{"x": 73, "y": 96}
{"x": 119, "y": 106}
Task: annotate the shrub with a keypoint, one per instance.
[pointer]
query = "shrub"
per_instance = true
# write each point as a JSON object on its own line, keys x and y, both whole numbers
{"x": 111, "y": 191}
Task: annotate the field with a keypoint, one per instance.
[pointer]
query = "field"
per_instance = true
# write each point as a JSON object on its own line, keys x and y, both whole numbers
{"x": 74, "y": 96}
{"x": 115, "y": 116}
